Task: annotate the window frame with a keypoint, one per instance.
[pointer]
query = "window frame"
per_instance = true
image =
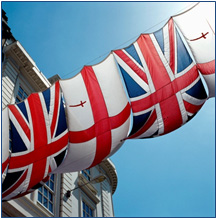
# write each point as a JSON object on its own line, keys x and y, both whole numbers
{"x": 87, "y": 174}
{"x": 49, "y": 191}
{"x": 21, "y": 94}
{"x": 84, "y": 212}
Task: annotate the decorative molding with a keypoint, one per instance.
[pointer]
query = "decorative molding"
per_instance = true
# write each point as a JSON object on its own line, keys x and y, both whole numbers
{"x": 27, "y": 65}
{"x": 25, "y": 205}
{"x": 89, "y": 189}
{"x": 110, "y": 170}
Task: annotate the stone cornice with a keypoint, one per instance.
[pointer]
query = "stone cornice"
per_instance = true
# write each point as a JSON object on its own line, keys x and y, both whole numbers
{"x": 27, "y": 65}
{"x": 110, "y": 170}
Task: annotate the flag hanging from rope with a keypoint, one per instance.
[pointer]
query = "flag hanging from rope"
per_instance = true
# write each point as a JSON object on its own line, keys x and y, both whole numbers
{"x": 98, "y": 114}
{"x": 164, "y": 86}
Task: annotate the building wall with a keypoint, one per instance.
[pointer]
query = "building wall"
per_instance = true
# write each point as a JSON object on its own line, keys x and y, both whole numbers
{"x": 9, "y": 78}
{"x": 97, "y": 196}
{"x": 19, "y": 70}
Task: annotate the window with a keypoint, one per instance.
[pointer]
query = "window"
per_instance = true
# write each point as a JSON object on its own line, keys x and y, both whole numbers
{"x": 46, "y": 194}
{"x": 21, "y": 95}
{"x": 87, "y": 174}
{"x": 87, "y": 210}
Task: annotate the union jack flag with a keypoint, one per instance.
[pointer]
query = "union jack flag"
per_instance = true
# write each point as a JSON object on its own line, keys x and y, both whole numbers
{"x": 39, "y": 141}
{"x": 162, "y": 81}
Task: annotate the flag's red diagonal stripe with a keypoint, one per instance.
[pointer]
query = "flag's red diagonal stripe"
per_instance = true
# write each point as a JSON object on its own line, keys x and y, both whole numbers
{"x": 172, "y": 44}
{"x": 191, "y": 108}
{"x": 17, "y": 184}
{"x": 56, "y": 107}
{"x": 207, "y": 68}
{"x": 39, "y": 153}
{"x": 132, "y": 65}
{"x": 20, "y": 120}
{"x": 185, "y": 80}
{"x": 166, "y": 92}
{"x": 100, "y": 113}
{"x": 146, "y": 126}
{"x": 4, "y": 165}
{"x": 156, "y": 68}
{"x": 38, "y": 121}
{"x": 92, "y": 132}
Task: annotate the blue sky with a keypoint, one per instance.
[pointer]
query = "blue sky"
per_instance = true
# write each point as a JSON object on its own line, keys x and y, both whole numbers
{"x": 168, "y": 176}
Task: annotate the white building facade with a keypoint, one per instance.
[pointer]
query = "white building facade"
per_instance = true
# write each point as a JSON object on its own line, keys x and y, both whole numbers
{"x": 20, "y": 78}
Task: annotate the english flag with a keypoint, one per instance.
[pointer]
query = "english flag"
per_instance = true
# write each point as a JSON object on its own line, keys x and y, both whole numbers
{"x": 98, "y": 115}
